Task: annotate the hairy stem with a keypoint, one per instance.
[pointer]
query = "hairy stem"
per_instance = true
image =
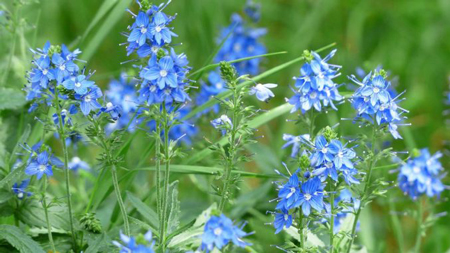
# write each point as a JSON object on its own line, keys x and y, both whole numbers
{"x": 332, "y": 193}
{"x": 158, "y": 175}
{"x": 419, "y": 226}
{"x": 301, "y": 231}
{"x": 49, "y": 227}
{"x": 62, "y": 137}
{"x": 165, "y": 217}
{"x": 119, "y": 200}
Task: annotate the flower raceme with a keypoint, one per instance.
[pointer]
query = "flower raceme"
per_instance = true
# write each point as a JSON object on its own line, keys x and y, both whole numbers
{"x": 132, "y": 244}
{"x": 422, "y": 175}
{"x": 373, "y": 102}
{"x": 315, "y": 88}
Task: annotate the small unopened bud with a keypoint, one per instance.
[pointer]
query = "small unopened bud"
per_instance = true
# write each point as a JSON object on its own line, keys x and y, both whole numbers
{"x": 228, "y": 72}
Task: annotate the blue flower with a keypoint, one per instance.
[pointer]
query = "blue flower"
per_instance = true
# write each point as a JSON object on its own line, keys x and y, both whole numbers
{"x": 88, "y": 102}
{"x": 63, "y": 68}
{"x": 343, "y": 155}
{"x": 323, "y": 152}
{"x": 289, "y": 193}
{"x": 19, "y": 190}
{"x": 219, "y": 231}
{"x": 223, "y": 123}
{"x": 159, "y": 29}
{"x": 263, "y": 92}
{"x": 295, "y": 141}
{"x": 373, "y": 102}
{"x": 43, "y": 73}
{"x": 311, "y": 196}
{"x": 351, "y": 204}
{"x": 76, "y": 163}
{"x": 130, "y": 244}
{"x": 162, "y": 72}
{"x": 315, "y": 87}
{"x": 215, "y": 87}
{"x": 253, "y": 10}
{"x": 422, "y": 175}
{"x": 282, "y": 220}
{"x": 113, "y": 110}
{"x": 140, "y": 31}
{"x": 40, "y": 166}
{"x": 79, "y": 84}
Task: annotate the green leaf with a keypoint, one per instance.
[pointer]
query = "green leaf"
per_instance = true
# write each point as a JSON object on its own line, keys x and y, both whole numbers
{"x": 97, "y": 242}
{"x": 173, "y": 208}
{"x": 104, "y": 8}
{"x": 19, "y": 239}
{"x": 248, "y": 200}
{"x": 146, "y": 211}
{"x": 192, "y": 169}
{"x": 5, "y": 196}
{"x": 254, "y": 123}
{"x": 114, "y": 17}
{"x": 143, "y": 225}
{"x": 11, "y": 99}
{"x": 23, "y": 138}
{"x": 227, "y": 93}
{"x": 32, "y": 213}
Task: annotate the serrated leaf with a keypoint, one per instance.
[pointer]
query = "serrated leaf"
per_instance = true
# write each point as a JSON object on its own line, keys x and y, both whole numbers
{"x": 19, "y": 239}
{"x": 97, "y": 242}
{"x": 5, "y": 196}
{"x": 146, "y": 211}
{"x": 32, "y": 213}
{"x": 11, "y": 99}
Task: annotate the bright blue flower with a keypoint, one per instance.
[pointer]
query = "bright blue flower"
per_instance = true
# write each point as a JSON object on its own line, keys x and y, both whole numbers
{"x": 131, "y": 246}
{"x": 140, "y": 31}
{"x": 323, "y": 152}
{"x": 422, "y": 175}
{"x": 79, "y": 84}
{"x": 76, "y": 163}
{"x": 63, "y": 68}
{"x": 263, "y": 92}
{"x": 88, "y": 102}
{"x": 343, "y": 156}
{"x": 351, "y": 205}
{"x": 311, "y": 196}
{"x": 315, "y": 87}
{"x": 253, "y": 10}
{"x": 289, "y": 193}
{"x": 40, "y": 166}
{"x": 19, "y": 190}
{"x": 113, "y": 110}
{"x": 158, "y": 28}
{"x": 219, "y": 231}
{"x": 373, "y": 102}
{"x": 162, "y": 73}
{"x": 282, "y": 220}
{"x": 295, "y": 141}
{"x": 42, "y": 74}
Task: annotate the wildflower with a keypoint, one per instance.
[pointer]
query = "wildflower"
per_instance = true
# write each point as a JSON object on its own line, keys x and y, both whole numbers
{"x": 113, "y": 110}
{"x": 282, "y": 220}
{"x": 421, "y": 175}
{"x": 323, "y": 152}
{"x": 159, "y": 29}
{"x": 79, "y": 84}
{"x": 141, "y": 29}
{"x": 263, "y": 92}
{"x": 130, "y": 244}
{"x": 223, "y": 122}
{"x": 289, "y": 193}
{"x": 42, "y": 74}
{"x": 343, "y": 155}
{"x": 311, "y": 196}
{"x": 219, "y": 231}
{"x": 88, "y": 102}
{"x": 19, "y": 190}
{"x": 76, "y": 163}
{"x": 40, "y": 166}
{"x": 161, "y": 72}
{"x": 63, "y": 68}
{"x": 315, "y": 87}
{"x": 295, "y": 141}
{"x": 351, "y": 204}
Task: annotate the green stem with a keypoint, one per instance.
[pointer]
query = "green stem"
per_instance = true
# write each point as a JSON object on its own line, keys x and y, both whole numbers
{"x": 419, "y": 226}
{"x": 300, "y": 230}
{"x": 119, "y": 200}
{"x": 49, "y": 227}
{"x": 166, "y": 126}
{"x": 366, "y": 188}
{"x": 158, "y": 174}
{"x": 396, "y": 225}
{"x": 62, "y": 137}
{"x": 332, "y": 193}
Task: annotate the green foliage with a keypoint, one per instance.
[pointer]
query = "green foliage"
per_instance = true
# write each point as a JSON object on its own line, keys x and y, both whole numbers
{"x": 90, "y": 223}
{"x": 19, "y": 240}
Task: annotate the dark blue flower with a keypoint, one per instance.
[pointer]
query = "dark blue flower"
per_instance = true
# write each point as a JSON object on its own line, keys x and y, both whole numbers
{"x": 140, "y": 31}
{"x": 158, "y": 28}
{"x": 63, "y": 68}
{"x": 19, "y": 190}
{"x": 162, "y": 72}
{"x": 289, "y": 193}
{"x": 113, "y": 110}
{"x": 282, "y": 220}
{"x": 42, "y": 74}
{"x": 323, "y": 152}
{"x": 311, "y": 196}
{"x": 219, "y": 231}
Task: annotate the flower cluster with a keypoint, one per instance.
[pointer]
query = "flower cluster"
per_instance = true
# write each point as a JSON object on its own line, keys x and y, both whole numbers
{"x": 422, "y": 175}
{"x": 150, "y": 31}
{"x": 219, "y": 231}
{"x": 315, "y": 88}
{"x": 131, "y": 244}
{"x": 373, "y": 101}
{"x": 328, "y": 159}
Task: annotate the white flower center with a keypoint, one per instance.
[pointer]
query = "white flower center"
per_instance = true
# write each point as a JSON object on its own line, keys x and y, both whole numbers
{"x": 152, "y": 88}
{"x": 366, "y": 99}
{"x": 237, "y": 47}
{"x": 313, "y": 95}
{"x": 42, "y": 167}
{"x": 286, "y": 217}
{"x": 218, "y": 231}
{"x": 20, "y": 195}
{"x": 78, "y": 84}
{"x": 321, "y": 75}
{"x": 87, "y": 98}
{"x": 163, "y": 73}
{"x": 341, "y": 154}
{"x": 155, "y": 49}
{"x": 109, "y": 105}
{"x": 167, "y": 91}
{"x": 329, "y": 165}
{"x": 45, "y": 71}
{"x": 62, "y": 67}
{"x": 143, "y": 30}
{"x": 307, "y": 196}
{"x": 158, "y": 28}
{"x": 219, "y": 85}
{"x": 291, "y": 193}
{"x": 416, "y": 169}
{"x": 376, "y": 90}
{"x": 324, "y": 150}
{"x": 76, "y": 159}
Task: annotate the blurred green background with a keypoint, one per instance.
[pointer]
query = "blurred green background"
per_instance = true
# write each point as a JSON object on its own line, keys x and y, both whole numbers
{"x": 410, "y": 38}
